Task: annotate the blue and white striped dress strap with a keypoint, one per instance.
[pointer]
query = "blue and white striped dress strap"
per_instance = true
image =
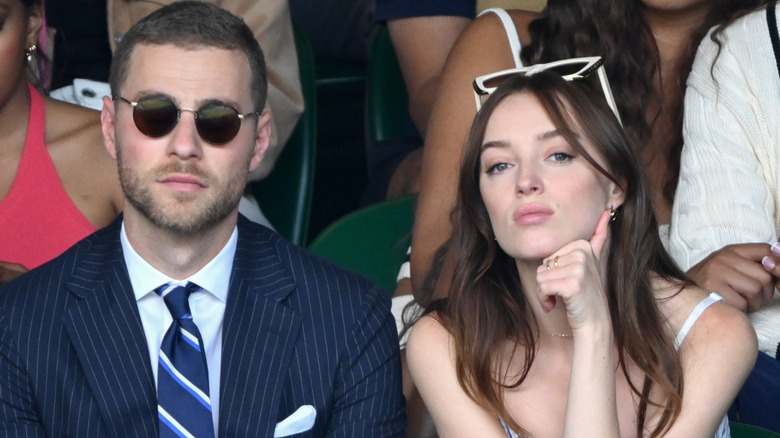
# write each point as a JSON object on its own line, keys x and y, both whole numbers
{"x": 723, "y": 430}
{"x": 509, "y": 432}
{"x": 511, "y": 33}
{"x": 694, "y": 316}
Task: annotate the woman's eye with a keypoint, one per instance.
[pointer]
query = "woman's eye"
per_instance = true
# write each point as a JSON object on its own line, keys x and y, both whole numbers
{"x": 498, "y": 167}
{"x": 560, "y": 157}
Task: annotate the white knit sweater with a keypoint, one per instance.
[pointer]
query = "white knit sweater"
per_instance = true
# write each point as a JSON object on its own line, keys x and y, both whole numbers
{"x": 728, "y": 190}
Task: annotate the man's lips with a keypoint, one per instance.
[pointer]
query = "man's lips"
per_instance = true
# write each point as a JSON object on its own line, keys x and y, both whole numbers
{"x": 182, "y": 182}
{"x": 532, "y": 214}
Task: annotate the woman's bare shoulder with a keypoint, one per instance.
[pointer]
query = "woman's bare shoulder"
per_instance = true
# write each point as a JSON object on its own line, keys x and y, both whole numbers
{"x": 487, "y": 30}
{"x": 718, "y": 325}
{"x": 89, "y": 174}
{"x": 480, "y": 49}
{"x": 431, "y": 359}
{"x": 716, "y": 356}
{"x": 66, "y": 122}
{"x": 722, "y": 326}
{"x": 74, "y": 137}
{"x": 428, "y": 329}
{"x": 486, "y": 23}
{"x": 429, "y": 341}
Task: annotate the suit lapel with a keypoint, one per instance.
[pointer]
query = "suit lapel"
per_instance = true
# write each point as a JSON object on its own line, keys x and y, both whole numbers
{"x": 259, "y": 334}
{"x": 105, "y": 329}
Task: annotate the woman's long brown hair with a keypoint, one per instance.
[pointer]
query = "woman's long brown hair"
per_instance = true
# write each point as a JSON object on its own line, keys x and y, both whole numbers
{"x": 487, "y": 307}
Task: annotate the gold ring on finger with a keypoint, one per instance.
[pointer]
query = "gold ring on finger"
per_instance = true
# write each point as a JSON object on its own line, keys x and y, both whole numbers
{"x": 555, "y": 262}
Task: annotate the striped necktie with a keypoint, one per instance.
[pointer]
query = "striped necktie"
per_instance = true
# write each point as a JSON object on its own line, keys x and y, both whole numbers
{"x": 183, "y": 401}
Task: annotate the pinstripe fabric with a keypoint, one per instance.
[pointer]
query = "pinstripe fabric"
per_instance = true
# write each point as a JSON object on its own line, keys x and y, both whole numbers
{"x": 70, "y": 332}
{"x": 297, "y": 331}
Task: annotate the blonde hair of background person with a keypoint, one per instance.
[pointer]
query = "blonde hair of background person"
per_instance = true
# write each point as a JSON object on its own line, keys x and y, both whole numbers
{"x": 71, "y": 134}
{"x": 566, "y": 316}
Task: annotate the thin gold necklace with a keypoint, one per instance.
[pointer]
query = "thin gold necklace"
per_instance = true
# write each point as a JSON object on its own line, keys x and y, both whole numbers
{"x": 561, "y": 335}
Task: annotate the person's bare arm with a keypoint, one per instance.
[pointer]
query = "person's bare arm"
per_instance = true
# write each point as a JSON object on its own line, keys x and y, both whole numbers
{"x": 717, "y": 356}
{"x": 422, "y": 45}
{"x": 482, "y": 48}
{"x": 431, "y": 359}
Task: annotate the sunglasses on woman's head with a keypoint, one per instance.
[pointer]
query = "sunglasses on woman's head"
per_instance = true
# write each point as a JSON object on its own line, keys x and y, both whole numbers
{"x": 156, "y": 116}
{"x": 569, "y": 69}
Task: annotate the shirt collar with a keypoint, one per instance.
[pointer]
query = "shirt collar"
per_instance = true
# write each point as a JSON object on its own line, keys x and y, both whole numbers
{"x": 214, "y": 277}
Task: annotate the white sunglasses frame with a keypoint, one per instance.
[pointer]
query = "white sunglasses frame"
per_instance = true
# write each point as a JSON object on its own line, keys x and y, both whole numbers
{"x": 591, "y": 63}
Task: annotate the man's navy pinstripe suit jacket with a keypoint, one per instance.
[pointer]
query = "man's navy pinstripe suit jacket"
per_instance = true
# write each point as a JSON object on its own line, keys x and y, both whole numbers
{"x": 297, "y": 330}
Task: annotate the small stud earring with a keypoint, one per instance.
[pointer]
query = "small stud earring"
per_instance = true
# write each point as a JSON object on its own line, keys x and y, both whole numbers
{"x": 30, "y": 52}
{"x": 612, "y": 214}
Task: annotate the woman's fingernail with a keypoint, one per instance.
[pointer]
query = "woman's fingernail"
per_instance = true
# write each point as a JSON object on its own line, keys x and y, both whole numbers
{"x": 768, "y": 263}
{"x": 776, "y": 248}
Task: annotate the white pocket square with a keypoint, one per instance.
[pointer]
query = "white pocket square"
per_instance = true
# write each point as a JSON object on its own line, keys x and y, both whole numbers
{"x": 300, "y": 421}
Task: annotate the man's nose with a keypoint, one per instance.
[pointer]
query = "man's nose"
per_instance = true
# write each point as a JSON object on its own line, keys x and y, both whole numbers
{"x": 185, "y": 142}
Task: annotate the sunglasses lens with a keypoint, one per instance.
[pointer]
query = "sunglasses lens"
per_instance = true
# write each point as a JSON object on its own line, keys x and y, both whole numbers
{"x": 218, "y": 124}
{"x": 155, "y": 116}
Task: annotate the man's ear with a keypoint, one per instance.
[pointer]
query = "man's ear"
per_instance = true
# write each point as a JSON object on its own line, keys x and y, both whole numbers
{"x": 108, "y": 126}
{"x": 262, "y": 140}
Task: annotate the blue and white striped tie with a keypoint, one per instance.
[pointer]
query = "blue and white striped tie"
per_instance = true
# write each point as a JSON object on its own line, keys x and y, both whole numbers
{"x": 183, "y": 402}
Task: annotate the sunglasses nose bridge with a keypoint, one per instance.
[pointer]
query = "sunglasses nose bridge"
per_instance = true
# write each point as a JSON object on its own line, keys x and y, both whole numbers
{"x": 191, "y": 110}
{"x": 184, "y": 139}
{"x": 194, "y": 115}
{"x": 186, "y": 135}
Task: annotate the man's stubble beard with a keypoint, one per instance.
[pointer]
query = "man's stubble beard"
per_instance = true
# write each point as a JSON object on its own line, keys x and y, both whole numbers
{"x": 181, "y": 217}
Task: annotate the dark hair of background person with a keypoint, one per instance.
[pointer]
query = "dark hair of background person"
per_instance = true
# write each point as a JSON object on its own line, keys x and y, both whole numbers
{"x": 191, "y": 24}
{"x": 618, "y": 32}
{"x": 27, "y": 4}
{"x": 81, "y": 48}
{"x": 486, "y": 305}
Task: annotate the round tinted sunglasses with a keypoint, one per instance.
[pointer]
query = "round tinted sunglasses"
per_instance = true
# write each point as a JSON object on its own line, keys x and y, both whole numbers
{"x": 156, "y": 116}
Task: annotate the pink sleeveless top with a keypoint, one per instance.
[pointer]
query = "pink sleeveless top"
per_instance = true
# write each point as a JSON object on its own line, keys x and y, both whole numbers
{"x": 38, "y": 221}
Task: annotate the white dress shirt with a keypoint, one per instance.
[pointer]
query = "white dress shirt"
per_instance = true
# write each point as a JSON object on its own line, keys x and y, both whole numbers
{"x": 207, "y": 307}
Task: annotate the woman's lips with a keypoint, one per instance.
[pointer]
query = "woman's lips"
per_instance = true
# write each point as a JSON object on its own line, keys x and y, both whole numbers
{"x": 532, "y": 214}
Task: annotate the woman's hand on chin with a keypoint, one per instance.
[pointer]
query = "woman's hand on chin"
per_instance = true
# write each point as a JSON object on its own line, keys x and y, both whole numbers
{"x": 573, "y": 273}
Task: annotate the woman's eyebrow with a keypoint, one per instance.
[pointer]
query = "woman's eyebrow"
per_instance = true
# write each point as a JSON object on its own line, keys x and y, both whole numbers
{"x": 494, "y": 144}
{"x": 544, "y": 136}
{"x": 548, "y": 135}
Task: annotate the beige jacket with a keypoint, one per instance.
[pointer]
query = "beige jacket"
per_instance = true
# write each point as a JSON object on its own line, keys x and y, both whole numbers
{"x": 271, "y": 24}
